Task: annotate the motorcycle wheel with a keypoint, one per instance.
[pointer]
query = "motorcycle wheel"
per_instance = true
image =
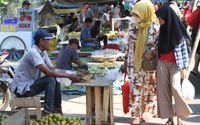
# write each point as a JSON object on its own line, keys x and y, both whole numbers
{"x": 5, "y": 97}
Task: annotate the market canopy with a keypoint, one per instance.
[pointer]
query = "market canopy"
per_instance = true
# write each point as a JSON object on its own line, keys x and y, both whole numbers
{"x": 65, "y": 11}
{"x": 83, "y": 1}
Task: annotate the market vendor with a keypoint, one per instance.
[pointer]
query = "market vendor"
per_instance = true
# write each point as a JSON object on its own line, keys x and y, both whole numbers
{"x": 74, "y": 27}
{"x": 86, "y": 39}
{"x": 95, "y": 32}
{"x": 28, "y": 81}
{"x": 69, "y": 55}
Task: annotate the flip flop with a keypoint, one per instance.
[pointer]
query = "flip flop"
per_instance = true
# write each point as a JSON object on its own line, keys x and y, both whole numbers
{"x": 169, "y": 122}
{"x": 136, "y": 121}
{"x": 145, "y": 119}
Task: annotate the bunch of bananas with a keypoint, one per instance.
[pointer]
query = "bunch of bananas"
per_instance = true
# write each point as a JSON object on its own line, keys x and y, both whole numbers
{"x": 108, "y": 64}
{"x": 74, "y": 34}
{"x": 112, "y": 35}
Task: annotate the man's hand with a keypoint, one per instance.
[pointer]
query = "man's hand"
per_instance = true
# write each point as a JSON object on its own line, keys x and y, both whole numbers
{"x": 1, "y": 71}
{"x": 74, "y": 78}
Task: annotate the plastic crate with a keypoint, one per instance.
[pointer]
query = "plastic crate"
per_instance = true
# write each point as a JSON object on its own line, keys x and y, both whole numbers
{"x": 15, "y": 117}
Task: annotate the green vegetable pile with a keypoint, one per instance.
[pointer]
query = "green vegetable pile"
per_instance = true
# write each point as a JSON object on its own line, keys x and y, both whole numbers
{"x": 3, "y": 116}
{"x": 87, "y": 49}
{"x": 56, "y": 119}
{"x": 97, "y": 72}
{"x": 70, "y": 87}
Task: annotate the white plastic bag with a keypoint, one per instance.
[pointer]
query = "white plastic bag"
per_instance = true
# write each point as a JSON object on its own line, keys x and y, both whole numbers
{"x": 64, "y": 81}
{"x": 188, "y": 90}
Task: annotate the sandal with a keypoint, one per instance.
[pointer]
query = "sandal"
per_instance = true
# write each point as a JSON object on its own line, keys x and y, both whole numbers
{"x": 136, "y": 121}
{"x": 180, "y": 123}
{"x": 169, "y": 122}
{"x": 145, "y": 119}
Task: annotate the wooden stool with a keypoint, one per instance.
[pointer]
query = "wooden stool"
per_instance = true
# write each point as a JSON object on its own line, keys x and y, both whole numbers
{"x": 27, "y": 103}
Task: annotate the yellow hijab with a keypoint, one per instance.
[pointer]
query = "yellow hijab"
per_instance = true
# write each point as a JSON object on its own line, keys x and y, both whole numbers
{"x": 145, "y": 11}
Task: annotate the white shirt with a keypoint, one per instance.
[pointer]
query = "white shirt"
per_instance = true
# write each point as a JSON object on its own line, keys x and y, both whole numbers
{"x": 27, "y": 72}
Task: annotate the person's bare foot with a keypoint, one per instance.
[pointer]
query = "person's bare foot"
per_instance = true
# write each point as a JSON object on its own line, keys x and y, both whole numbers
{"x": 145, "y": 119}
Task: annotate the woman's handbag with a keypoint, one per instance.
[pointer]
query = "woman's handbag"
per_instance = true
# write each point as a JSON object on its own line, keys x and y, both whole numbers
{"x": 149, "y": 64}
{"x": 125, "y": 95}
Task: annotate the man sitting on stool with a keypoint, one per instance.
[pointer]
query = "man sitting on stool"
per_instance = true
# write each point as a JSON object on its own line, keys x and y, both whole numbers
{"x": 28, "y": 81}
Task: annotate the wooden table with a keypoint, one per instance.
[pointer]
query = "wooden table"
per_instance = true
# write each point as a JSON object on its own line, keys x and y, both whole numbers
{"x": 99, "y": 101}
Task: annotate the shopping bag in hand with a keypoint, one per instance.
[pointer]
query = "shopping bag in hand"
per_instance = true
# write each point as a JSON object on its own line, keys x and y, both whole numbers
{"x": 188, "y": 90}
{"x": 125, "y": 95}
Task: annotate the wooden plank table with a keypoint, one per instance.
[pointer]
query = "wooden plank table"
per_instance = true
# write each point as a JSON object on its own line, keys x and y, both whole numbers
{"x": 99, "y": 101}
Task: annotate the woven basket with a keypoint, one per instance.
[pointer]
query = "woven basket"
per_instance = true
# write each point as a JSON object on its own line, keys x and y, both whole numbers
{"x": 103, "y": 59}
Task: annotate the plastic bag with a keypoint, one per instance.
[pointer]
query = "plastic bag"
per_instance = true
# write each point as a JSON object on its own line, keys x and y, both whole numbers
{"x": 125, "y": 95}
{"x": 64, "y": 81}
{"x": 188, "y": 90}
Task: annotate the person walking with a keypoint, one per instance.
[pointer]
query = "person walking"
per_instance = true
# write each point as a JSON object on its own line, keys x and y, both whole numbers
{"x": 172, "y": 65}
{"x": 143, "y": 30}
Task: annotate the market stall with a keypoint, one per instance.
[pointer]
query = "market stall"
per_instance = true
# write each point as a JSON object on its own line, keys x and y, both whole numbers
{"x": 18, "y": 38}
{"x": 89, "y": 1}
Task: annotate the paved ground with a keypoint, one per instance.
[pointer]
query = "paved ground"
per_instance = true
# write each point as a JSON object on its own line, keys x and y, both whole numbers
{"x": 74, "y": 105}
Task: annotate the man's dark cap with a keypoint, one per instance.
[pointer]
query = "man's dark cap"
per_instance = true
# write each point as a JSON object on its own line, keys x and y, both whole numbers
{"x": 75, "y": 41}
{"x": 26, "y": 2}
{"x": 42, "y": 34}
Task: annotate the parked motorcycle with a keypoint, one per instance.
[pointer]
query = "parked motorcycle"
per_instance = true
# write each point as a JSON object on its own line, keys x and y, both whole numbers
{"x": 5, "y": 82}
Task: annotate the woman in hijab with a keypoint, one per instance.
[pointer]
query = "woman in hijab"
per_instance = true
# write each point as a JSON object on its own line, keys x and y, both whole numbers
{"x": 172, "y": 63}
{"x": 142, "y": 30}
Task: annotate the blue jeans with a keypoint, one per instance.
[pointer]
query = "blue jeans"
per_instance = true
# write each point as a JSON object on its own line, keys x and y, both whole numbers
{"x": 94, "y": 45}
{"x": 52, "y": 92}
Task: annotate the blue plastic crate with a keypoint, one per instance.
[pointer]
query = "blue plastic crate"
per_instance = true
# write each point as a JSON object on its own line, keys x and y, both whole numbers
{"x": 10, "y": 21}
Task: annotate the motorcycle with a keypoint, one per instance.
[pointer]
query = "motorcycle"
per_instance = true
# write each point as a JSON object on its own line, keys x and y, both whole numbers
{"x": 6, "y": 76}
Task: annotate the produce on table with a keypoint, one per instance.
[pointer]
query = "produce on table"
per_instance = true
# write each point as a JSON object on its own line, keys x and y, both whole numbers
{"x": 87, "y": 49}
{"x": 112, "y": 46}
{"x": 85, "y": 63}
{"x": 70, "y": 87}
{"x": 109, "y": 55}
{"x": 3, "y": 116}
{"x": 105, "y": 53}
{"x": 74, "y": 34}
{"x": 56, "y": 119}
{"x": 84, "y": 75}
{"x": 97, "y": 72}
{"x": 108, "y": 64}
{"x": 112, "y": 35}
{"x": 121, "y": 35}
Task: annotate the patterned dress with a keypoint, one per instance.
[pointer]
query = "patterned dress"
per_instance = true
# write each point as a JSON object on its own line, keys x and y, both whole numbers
{"x": 142, "y": 83}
